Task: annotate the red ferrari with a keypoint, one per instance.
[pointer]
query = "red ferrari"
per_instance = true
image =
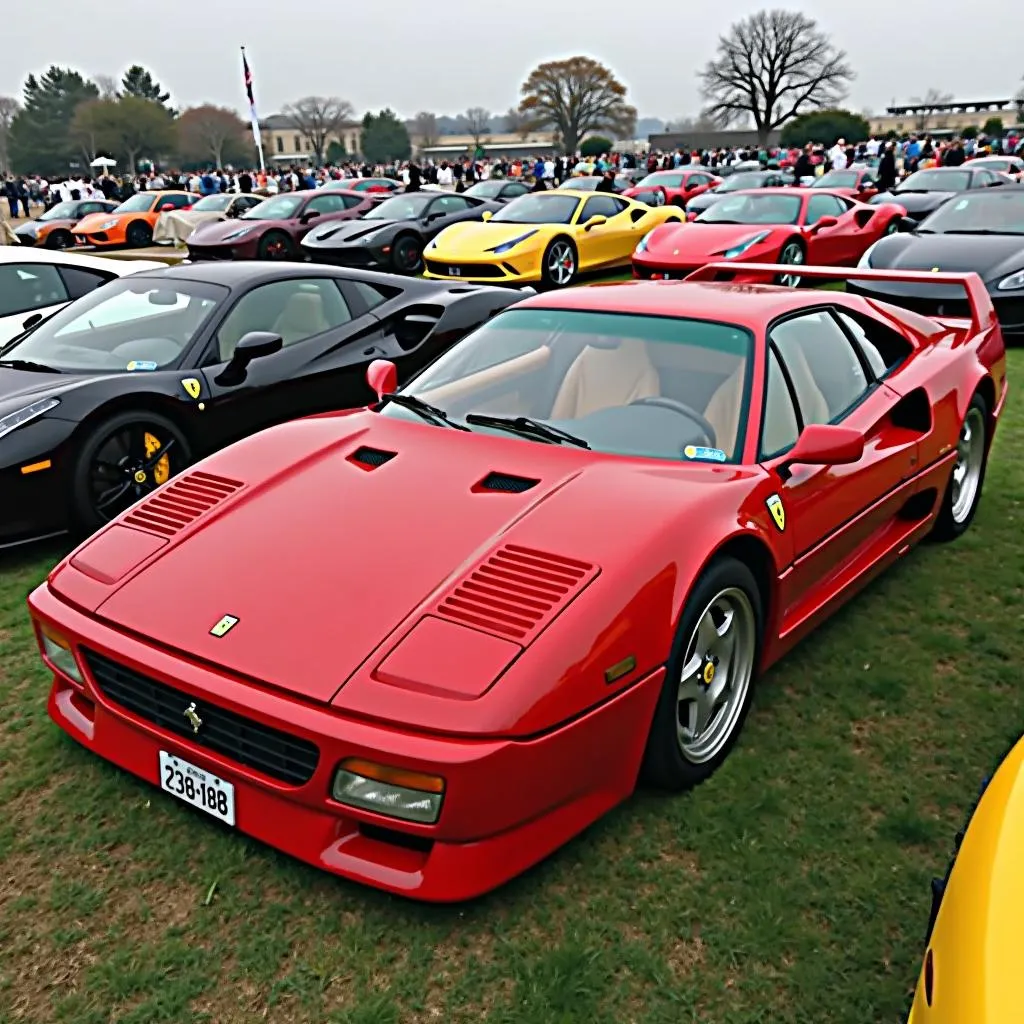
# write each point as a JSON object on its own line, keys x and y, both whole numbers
{"x": 678, "y": 186}
{"x": 423, "y": 644}
{"x": 793, "y": 226}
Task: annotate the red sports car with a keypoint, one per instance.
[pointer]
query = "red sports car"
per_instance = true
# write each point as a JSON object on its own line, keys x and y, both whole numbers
{"x": 856, "y": 182}
{"x": 794, "y": 226}
{"x": 421, "y": 645}
{"x": 678, "y": 186}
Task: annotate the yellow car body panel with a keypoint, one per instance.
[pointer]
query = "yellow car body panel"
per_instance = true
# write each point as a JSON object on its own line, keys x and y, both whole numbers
{"x": 978, "y": 938}
{"x": 467, "y": 248}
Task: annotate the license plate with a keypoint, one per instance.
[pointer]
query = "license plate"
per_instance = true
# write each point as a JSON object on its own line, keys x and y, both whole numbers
{"x": 199, "y": 788}
{"x": 455, "y": 272}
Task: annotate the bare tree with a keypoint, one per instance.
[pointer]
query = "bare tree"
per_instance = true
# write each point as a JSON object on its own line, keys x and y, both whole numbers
{"x": 771, "y": 67}
{"x": 518, "y": 123}
{"x": 930, "y": 100}
{"x": 9, "y": 108}
{"x": 424, "y": 127}
{"x": 210, "y": 133}
{"x": 478, "y": 124}
{"x": 318, "y": 118}
{"x": 107, "y": 86}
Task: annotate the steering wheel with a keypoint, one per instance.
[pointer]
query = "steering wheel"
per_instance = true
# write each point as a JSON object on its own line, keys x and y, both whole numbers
{"x": 684, "y": 410}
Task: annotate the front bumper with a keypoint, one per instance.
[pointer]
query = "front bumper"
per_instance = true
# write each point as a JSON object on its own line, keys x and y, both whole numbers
{"x": 507, "y": 803}
{"x": 25, "y": 237}
{"x": 524, "y": 268}
{"x": 364, "y": 257}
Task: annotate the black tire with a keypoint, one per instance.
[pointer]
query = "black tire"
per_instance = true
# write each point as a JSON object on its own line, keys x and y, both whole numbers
{"x": 665, "y": 764}
{"x": 547, "y": 280}
{"x": 114, "y": 452}
{"x": 59, "y": 239}
{"x": 955, "y": 517}
{"x": 679, "y": 202}
{"x": 276, "y": 245}
{"x": 407, "y": 255}
{"x": 138, "y": 234}
{"x": 791, "y": 244}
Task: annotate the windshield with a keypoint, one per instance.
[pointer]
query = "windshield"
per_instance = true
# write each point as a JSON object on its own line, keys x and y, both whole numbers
{"x": 139, "y": 203}
{"x": 137, "y": 323}
{"x": 62, "y": 211}
{"x": 669, "y": 179}
{"x": 836, "y": 179}
{"x": 538, "y": 208}
{"x": 936, "y": 181}
{"x": 278, "y": 208}
{"x": 660, "y": 387}
{"x": 213, "y": 204}
{"x": 774, "y": 207}
{"x": 407, "y": 207}
{"x": 485, "y": 189}
{"x": 983, "y": 212}
{"x": 584, "y": 184}
{"x": 738, "y": 182}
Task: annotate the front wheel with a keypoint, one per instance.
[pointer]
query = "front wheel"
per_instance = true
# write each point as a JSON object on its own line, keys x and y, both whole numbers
{"x": 710, "y": 678}
{"x": 792, "y": 254}
{"x": 560, "y": 264}
{"x": 276, "y": 245}
{"x": 407, "y": 255}
{"x": 59, "y": 239}
{"x": 122, "y": 460}
{"x": 138, "y": 235}
{"x": 963, "y": 492}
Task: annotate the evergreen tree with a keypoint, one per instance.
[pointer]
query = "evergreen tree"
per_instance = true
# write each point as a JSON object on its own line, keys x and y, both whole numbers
{"x": 385, "y": 137}
{"x": 139, "y": 82}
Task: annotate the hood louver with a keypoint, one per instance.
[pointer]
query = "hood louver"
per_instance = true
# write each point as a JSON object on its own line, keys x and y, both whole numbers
{"x": 181, "y": 503}
{"x": 371, "y": 458}
{"x": 516, "y": 592}
{"x": 505, "y": 483}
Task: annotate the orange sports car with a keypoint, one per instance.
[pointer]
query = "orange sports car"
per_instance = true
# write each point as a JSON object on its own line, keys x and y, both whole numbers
{"x": 130, "y": 224}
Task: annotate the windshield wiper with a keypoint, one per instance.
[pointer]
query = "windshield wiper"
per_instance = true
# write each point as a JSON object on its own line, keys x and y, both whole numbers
{"x": 423, "y": 409}
{"x": 527, "y": 427}
{"x": 27, "y": 364}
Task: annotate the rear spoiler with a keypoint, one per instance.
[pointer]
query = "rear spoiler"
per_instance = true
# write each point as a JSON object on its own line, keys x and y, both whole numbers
{"x": 983, "y": 314}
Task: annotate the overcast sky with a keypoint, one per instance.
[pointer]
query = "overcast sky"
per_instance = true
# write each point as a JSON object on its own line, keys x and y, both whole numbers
{"x": 445, "y": 56}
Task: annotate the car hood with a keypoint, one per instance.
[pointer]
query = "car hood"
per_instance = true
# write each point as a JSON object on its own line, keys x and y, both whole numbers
{"x": 705, "y": 200}
{"x": 915, "y": 203}
{"x": 337, "y": 235}
{"x": 19, "y": 388}
{"x": 478, "y": 237}
{"x": 685, "y": 242}
{"x": 212, "y": 233}
{"x": 92, "y": 221}
{"x": 327, "y": 563}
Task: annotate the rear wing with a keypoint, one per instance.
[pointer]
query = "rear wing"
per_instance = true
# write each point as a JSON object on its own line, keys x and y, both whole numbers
{"x": 983, "y": 314}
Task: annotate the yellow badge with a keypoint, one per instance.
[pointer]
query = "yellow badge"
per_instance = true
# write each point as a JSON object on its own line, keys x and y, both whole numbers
{"x": 192, "y": 387}
{"x": 709, "y": 673}
{"x": 777, "y": 510}
{"x": 140, "y": 476}
{"x": 225, "y": 626}
{"x": 935, "y": 270}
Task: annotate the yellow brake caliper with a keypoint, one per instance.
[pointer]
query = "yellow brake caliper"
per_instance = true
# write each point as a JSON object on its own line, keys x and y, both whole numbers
{"x": 162, "y": 470}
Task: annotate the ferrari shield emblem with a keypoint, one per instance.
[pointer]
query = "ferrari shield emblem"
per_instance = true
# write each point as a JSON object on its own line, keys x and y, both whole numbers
{"x": 935, "y": 270}
{"x": 225, "y": 626}
{"x": 192, "y": 717}
{"x": 777, "y": 510}
{"x": 192, "y": 387}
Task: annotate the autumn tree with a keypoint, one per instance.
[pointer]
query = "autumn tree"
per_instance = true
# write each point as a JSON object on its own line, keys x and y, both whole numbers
{"x": 771, "y": 67}
{"x": 211, "y": 134}
{"x": 318, "y": 118}
{"x": 9, "y": 107}
{"x": 424, "y": 127}
{"x": 575, "y": 97}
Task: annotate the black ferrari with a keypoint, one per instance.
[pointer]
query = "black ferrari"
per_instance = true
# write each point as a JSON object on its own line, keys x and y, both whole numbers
{"x": 393, "y": 235}
{"x": 981, "y": 231}
{"x": 115, "y": 393}
{"x": 736, "y": 183}
{"x": 923, "y": 192}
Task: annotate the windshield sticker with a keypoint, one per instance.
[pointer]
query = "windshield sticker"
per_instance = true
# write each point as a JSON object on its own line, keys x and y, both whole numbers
{"x": 702, "y": 454}
{"x": 138, "y": 365}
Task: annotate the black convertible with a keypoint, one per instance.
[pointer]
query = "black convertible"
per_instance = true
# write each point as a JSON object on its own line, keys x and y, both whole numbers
{"x": 979, "y": 230}
{"x": 120, "y": 390}
{"x": 392, "y": 236}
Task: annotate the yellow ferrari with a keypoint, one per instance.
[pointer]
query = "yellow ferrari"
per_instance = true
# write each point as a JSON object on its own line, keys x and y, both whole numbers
{"x": 972, "y": 967}
{"x": 546, "y": 238}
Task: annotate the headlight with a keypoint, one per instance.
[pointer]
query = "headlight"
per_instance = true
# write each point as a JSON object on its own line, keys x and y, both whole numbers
{"x": 641, "y": 246}
{"x": 865, "y": 260}
{"x": 237, "y": 234}
{"x": 411, "y": 796}
{"x": 739, "y": 250}
{"x": 107, "y": 225}
{"x": 18, "y": 419}
{"x": 1012, "y": 283}
{"x": 57, "y": 651}
{"x": 505, "y": 246}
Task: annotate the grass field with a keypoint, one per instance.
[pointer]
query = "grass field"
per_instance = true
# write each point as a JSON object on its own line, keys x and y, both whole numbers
{"x": 791, "y": 888}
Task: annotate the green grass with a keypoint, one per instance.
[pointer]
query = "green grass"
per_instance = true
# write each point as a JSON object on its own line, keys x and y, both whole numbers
{"x": 791, "y": 888}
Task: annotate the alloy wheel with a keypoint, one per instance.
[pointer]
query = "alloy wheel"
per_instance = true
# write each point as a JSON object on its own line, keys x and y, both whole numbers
{"x": 791, "y": 254}
{"x": 970, "y": 458}
{"x": 130, "y": 463}
{"x": 561, "y": 263}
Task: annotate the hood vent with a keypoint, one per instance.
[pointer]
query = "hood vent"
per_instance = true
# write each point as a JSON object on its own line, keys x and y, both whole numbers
{"x": 516, "y": 592}
{"x": 505, "y": 483}
{"x": 181, "y": 502}
{"x": 370, "y": 458}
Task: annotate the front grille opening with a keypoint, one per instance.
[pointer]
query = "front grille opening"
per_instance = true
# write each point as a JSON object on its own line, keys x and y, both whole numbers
{"x": 421, "y": 844}
{"x": 505, "y": 483}
{"x": 371, "y": 458}
{"x": 284, "y": 757}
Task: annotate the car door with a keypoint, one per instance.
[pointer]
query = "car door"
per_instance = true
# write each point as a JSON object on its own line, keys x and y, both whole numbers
{"x": 696, "y": 183}
{"x": 319, "y": 209}
{"x": 836, "y": 515}
{"x": 28, "y": 289}
{"x": 604, "y": 244}
{"x": 315, "y": 369}
{"x": 833, "y": 245}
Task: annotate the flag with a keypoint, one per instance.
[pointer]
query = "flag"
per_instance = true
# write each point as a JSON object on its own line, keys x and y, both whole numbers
{"x": 254, "y": 120}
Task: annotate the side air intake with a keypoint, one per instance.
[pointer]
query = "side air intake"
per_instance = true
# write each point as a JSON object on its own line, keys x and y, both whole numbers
{"x": 371, "y": 458}
{"x": 505, "y": 483}
{"x": 516, "y": 592}
{"x": 181, "y": 502}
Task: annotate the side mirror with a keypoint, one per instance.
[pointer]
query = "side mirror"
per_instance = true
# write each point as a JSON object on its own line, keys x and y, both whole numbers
{"x": 486, "y": 215}
{"x": 382, "y": 376}
{"x": 164, "y": 207}
{"x": 595, "y": 222}
{"x": 32, "y": 321}
{"x": 253, "y": 345}
{"x": 825, "y": 444}
{"x": 308, "y": 216}
{"x": 824, "y": 222}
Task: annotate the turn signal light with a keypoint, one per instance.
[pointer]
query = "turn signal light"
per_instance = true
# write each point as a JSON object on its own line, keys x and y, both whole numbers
{"x": 57, "y": 652}
{"x": 396, "y": 792}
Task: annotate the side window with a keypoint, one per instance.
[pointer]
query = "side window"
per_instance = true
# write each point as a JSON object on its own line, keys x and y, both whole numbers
{"x": 696, "y": 180}
{"x": 450, "y": 204}
{"x": 883, "y": 348}
{"x": 514, "y": 188}
{"x": 28, "y": 286}
{"x": 822, "y": 364}
{"x": 781, "y": 427}
{"x": 176, "y": 202}
{"x": 80, "y": 282}
{"x": 296, "y": 309}
{"x": 87, "y": 208}
{"x": 325, "y": 204}
{"x": 823, "y": 206}
{"x": 371, "y": 294}
{"x": 602, "y": 206}
{"x": 981, "y": 179}
{"x": 352, "y": 201}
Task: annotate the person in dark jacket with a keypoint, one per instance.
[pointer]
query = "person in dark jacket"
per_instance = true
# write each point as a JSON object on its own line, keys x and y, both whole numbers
{"x": 607, "y": 182}
{"x": 803, "y": 168}
{"x": 245, "y": 182}
{"x": 415, "y": 178}
{"x": 887, "y": 169}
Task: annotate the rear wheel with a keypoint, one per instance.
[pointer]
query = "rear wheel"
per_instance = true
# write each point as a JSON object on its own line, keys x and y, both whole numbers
{"x": 138, "y": 234}
{"x": 963, "y": 492}
{"x": 560, "y": 265}
{"x": 276, "y": 245}
{"x": 122, "y": 460}
{"x": 792, "y": 254}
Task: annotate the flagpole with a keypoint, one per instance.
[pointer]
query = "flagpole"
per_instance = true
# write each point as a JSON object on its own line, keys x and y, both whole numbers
{"x": 257, "y": 137}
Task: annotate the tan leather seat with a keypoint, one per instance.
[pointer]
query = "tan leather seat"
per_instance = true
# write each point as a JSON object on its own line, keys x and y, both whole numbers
{"x": 302, "y": 317}
{"x": 605, "y": 378}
